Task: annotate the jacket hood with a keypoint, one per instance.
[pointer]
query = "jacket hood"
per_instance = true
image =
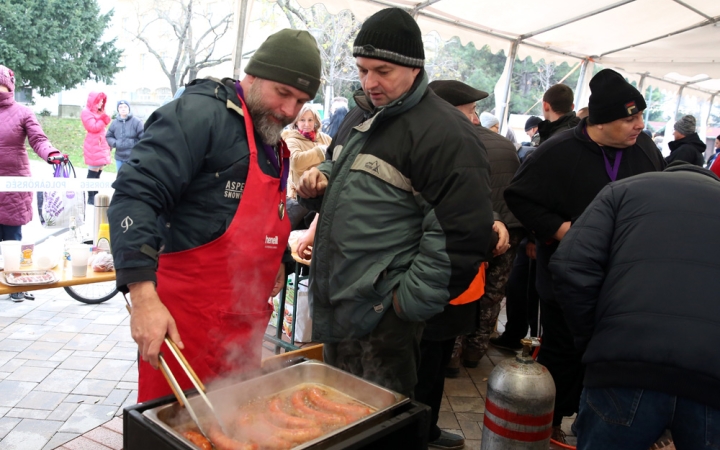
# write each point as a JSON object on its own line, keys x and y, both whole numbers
{"x": 419, "y": 85}
{"x": 692, "y": 140}
{"x": 7, "y": 98}
{"x": 547, "y": 128}
{"x": 222, "y": 90}
{"x": 682, "y": 166}
{"x": 93, "y": 98}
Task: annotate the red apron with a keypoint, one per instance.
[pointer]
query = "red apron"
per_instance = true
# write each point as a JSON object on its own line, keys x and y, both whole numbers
{"x": 218, "y": 292}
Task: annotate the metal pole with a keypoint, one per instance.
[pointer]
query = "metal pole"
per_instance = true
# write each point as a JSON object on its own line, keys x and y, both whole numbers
{"x": 708, "y": 152}
{"x": 242, "y": 9}
{"x": 648, "y": 101}
{"x": 677, "y": 105}
{"x": 641, "y": 84}
{"x": 581, "y": 83}
{"x": 505, "y": 103}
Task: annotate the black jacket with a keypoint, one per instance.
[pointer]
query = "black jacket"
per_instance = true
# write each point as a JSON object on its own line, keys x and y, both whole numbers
{"x": 640, "y": 297}
{"x": 504, "y": 163}
{"x": 183, "y": 184}
{"x": 689, "y": 149}
{"x": 559, "y": 179}
{"x": 123, "y": 134}
{"x": 547, "y": 129}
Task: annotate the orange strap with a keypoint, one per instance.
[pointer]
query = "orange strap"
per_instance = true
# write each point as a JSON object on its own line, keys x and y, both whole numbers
{"x": 476, "y": 289}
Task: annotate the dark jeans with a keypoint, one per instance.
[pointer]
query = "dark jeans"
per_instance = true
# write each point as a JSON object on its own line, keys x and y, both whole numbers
{"x": 632, "y": 419}
{"x": 562, "y": 359}
{"x": 388, "y": 356}
{"x": 434, "y": 357}
{"x": 521, "y": 297}
{"x": 10, "y": 232}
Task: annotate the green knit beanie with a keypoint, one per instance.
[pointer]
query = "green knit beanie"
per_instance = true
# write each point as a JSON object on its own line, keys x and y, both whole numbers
{"x": 289, "y": 57}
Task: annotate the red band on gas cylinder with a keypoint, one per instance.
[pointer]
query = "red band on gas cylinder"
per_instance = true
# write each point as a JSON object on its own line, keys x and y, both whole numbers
{"x": 527, "y": 420}
{"x": 523, "y": 436}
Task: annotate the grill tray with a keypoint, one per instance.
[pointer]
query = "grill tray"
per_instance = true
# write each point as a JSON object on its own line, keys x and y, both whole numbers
{"x": 227, "y": 399}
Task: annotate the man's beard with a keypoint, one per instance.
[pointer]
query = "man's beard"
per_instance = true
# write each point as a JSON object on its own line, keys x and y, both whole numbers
{"x": 268, "y": 129}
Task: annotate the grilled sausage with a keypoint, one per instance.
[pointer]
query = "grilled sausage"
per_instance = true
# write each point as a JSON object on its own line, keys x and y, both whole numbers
{"x": 278, "y": 416}
{"x": 295, "y": 435}
{"x": 197, "y": 439}
{"x": 223, "y": 442}
{"x": 325, "y": 418}
{"x": 317, "y": 397}
{"x": 259, "y": 435}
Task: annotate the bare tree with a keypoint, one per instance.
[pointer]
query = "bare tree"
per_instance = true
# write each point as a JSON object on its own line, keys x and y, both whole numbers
{"x": 545, "y": 74}
{"x": 182, "y": 27}
{"x": 335, "y": 34}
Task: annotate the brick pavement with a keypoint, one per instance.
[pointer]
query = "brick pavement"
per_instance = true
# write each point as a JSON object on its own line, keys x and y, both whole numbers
{"x": 65, "y": 368}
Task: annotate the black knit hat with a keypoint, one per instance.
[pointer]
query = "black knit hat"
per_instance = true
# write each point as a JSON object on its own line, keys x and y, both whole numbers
{"x": 613, "y": 98}
{"x": 456, "y": 92}
{"x": 289, "y": 57}
{"x": 391, "y": 35}
{"x": 532, "y": 122}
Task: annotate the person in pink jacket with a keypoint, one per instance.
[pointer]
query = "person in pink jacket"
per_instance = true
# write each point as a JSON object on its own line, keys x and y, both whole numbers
{"x": 17, "y": 122}
{"x": 95, "y": 148}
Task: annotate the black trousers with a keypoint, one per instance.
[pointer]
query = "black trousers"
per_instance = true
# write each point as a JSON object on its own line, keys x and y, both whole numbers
{"x": 91, "y": 194}
{"x": 521, "y": 297}
{"x": 388, "y": 356}
{"x": 562, "y": 359}
{"x": 434, "y": 357}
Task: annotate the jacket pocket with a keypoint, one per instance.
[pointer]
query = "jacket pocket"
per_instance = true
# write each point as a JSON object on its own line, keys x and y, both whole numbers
{"x": 374, "y": 285}
{"x": 614, "y": 405}
{"x": 712, "y": 427}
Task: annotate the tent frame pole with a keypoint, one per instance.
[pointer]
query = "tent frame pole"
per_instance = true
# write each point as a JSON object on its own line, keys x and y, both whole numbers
{"x": 242, "y": 12}
{"x": 505, "y": 104}
{"x": 677, "y": 104}
{"x": 580, "y": 87}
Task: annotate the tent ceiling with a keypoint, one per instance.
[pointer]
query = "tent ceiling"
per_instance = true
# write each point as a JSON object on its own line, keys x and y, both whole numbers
{"x": 670, "y": 40}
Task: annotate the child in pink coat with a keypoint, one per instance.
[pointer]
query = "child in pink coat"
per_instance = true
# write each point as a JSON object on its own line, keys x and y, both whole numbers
{"x": 95, "y": 148}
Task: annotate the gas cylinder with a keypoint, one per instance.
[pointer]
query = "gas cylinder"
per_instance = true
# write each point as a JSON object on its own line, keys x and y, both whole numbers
{"x": 519, "y": 404}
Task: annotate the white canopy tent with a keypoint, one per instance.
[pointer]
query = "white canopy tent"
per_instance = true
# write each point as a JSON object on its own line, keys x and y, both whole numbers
{"x": 666, "y": 43}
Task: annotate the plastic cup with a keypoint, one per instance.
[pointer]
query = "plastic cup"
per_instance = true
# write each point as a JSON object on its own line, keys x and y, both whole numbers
{"x": 79, "y": 255}
{"x": 12, "y": 254}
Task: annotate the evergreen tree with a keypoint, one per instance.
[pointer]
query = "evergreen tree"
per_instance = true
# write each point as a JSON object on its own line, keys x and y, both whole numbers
{"x": 53, "y": 45}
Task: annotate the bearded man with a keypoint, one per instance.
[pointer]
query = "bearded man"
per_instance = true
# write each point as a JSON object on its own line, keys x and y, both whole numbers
{"x": 198, "y": 223}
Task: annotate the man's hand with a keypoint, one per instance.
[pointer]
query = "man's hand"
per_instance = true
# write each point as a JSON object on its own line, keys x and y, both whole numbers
{"x": 150, "y": 322}
{"x": 560, "y": 233}
{"x": 530, "y": 250}
{"x": 503, "y": 243}
{"x": 305, "y": 243}
{"x": 279, "y": 281}
{"x": 312, "y": 184}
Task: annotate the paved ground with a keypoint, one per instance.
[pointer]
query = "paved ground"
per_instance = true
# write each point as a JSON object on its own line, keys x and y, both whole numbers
{"x": 65, "y": 368}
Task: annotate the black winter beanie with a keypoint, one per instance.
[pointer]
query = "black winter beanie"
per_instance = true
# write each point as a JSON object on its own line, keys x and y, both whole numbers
{"x": 391, "y": 35}
{"x": 289, "y": 57}
{"x": 613, "y": 98}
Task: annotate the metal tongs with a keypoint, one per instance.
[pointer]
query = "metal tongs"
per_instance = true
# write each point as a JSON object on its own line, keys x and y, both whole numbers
{"x": 177, "y": 390}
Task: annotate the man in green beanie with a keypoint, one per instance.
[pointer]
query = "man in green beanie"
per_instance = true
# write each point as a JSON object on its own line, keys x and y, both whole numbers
{"x": 198, "y": 224}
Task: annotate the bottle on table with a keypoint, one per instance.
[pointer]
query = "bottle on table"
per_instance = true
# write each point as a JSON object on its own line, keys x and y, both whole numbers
{"x": 103, "y": 238}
